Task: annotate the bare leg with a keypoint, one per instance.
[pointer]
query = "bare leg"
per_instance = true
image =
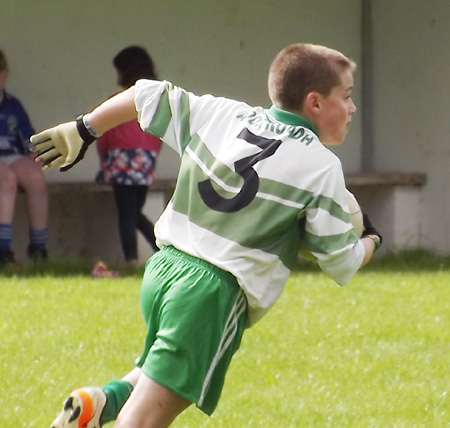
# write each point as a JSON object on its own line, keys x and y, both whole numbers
{"x": 8, "y": 191}
{"x": 150, "y": 404}
{"x": 31, "y": 179}
{"x": 133, "y": 376}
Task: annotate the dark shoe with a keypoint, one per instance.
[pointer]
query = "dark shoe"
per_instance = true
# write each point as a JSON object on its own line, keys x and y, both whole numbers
{"x": 37, "y": 254}
{"x": 7, "y": 259}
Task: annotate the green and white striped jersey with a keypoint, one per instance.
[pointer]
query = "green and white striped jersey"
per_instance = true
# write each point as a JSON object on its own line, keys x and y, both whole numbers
{"x": 247, "y": 176}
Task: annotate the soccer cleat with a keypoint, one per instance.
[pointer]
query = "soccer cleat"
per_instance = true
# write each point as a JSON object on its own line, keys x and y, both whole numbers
{"x": 7, "y": 260}
{"x": 37, "y": 254}
{"x": 82, "y": 409}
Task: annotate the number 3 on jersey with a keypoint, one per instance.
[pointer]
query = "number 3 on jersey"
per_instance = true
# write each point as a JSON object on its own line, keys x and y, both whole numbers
{"x": 244, "y": 167}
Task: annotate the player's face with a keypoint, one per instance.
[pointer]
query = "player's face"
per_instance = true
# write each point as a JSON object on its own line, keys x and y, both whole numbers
{"x": 336, "y": 112}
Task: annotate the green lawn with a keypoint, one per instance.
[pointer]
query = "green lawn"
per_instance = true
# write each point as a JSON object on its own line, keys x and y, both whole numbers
{"x": 375, "y": 353}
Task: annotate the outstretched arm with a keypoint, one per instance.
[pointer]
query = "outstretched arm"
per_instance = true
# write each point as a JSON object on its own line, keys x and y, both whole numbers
{"x": 65, "y": 145}
{"x": 114, "y": 111}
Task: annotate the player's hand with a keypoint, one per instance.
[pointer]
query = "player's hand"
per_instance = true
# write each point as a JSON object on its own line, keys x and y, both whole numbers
{"x": 369, "y": 229}
{"x": 58, "y": 146}
{"x": 62, "y": 146}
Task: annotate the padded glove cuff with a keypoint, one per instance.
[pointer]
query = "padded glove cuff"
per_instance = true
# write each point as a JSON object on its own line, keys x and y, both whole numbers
{"x": 87, "y": 133}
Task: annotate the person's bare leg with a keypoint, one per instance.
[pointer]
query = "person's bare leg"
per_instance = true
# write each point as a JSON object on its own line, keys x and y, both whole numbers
{"x": 31, "y": 179}
{"x": 8, "y": 191}
{"x": 133, "y": 376}
{"x": 150, "y": 405}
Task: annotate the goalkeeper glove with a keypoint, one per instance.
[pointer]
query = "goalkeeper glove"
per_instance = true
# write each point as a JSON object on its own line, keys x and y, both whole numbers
{"x": 371, "y": 232}
{"x": 64, "y": 145}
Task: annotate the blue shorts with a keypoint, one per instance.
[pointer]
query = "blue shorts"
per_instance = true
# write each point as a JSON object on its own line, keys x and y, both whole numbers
{"x": 10, "y": 159}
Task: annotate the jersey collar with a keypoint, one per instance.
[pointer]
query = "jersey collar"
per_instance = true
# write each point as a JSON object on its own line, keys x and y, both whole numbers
{"x": 290, "y": 118}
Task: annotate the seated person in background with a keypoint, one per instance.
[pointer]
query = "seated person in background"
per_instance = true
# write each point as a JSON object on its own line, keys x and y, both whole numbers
{"x": 19, "y": 171}
{"x": 128, "y": 158}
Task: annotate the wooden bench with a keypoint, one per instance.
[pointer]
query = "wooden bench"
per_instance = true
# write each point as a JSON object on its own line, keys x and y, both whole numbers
{"x": 386, "y": 179}
{"x": 83, "y": 219}
{"x": 393, "y": 201}
{"x": 163, "y": 186}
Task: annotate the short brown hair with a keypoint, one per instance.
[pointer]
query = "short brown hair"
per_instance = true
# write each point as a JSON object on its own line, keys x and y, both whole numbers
{"x": 3, "y": 61}
{"x": 301, "y": 68}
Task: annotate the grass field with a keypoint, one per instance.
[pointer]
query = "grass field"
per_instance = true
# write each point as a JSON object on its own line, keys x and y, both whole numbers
{"x": 375, "y": 353}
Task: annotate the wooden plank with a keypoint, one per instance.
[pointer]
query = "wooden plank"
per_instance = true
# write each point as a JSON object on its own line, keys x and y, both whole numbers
{"x": 386, "y": 179}
{"x": 167, "y": 185}
{"x": 159, "y": 185}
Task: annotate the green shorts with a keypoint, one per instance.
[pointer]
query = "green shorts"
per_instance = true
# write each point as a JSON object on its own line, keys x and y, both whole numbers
{"x": 195, "y": 315}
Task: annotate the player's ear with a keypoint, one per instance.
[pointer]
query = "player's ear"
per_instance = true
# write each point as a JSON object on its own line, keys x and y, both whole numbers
{"x": 313, "y": 102}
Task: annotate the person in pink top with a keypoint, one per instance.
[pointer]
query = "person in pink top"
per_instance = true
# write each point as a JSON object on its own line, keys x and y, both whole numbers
{"x": 128, "y": 158}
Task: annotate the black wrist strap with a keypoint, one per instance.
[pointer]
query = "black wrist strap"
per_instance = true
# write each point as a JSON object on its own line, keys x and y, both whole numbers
{"x": 85, "y": 135}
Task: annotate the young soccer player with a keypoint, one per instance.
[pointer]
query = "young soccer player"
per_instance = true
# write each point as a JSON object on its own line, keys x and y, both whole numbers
{"x": 230, "y": 234}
